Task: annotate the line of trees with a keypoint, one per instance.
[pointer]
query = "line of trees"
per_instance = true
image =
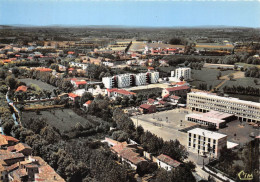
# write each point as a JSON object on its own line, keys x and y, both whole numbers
{"x": 241, "y": 90}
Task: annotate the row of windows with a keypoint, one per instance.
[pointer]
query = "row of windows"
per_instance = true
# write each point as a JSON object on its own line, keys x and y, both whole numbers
{"x": 226, "y": 102}
{"x": 201, "y": 137}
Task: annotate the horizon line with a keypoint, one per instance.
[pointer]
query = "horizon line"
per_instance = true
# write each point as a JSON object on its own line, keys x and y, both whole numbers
{"x": 126, "y": 26}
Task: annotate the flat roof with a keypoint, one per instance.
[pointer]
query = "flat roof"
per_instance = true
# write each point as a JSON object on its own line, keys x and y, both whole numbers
{"x": 231, "y": 145}
{"x": 207, "y": 133}
{"x": 217, "y": 115}
{"x": 226, "y": 98}
{"x": 205, "y": 118}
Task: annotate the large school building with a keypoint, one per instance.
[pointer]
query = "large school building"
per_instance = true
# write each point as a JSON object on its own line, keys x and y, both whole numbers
{"x": 204, "y": 102}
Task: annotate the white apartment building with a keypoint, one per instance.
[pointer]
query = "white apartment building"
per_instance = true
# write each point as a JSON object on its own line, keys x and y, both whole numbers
{"x": 109, "y": 82}
{"x": 124, "y": 80}
{"x": 154, "y": 76}
{"x": 182, "y": 72}
{"x": 200, "y": 141}
{"x": 244, "y": 110}
{"x": 140, "y": 79}
{"x": 81, "y": 65}
{"x": 127, "y": 80}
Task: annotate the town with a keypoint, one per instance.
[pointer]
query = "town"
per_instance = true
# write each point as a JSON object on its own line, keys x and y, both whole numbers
{"x": 136, "y": 108}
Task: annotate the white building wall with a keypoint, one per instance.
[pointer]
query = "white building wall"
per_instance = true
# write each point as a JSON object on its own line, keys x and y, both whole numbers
{"x": 123, "y": 80}
{"x": 244, "y": 110}
{"x": 199, "y": 145}
{"x": 163, "y": 165}
{"x": 140, "y": 79}
{"x": 185, "y": 72}
{"x": 154, "y": 77}
{"x": 108, "y": 82}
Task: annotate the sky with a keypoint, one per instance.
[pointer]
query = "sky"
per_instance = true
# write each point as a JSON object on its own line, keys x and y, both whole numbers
{"x": 140, "y": 13}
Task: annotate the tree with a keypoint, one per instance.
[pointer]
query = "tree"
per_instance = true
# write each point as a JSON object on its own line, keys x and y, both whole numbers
{"x": 219, "y": 75}
{"x": 175, "y": 41}
{"x": 85, "y": 97}
{"x": 230, "y": 76}
{"x": 227, "y": 157}
{"x": 256, "y": 81}
{"x": 11, "y": 82}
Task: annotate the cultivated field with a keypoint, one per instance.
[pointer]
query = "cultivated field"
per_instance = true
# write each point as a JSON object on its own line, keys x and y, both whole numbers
{"x": 62, "y": 119}
{"x": 245, "y": 82}
{"x": 41, "y": 84}
{"x": 208, "y": 76}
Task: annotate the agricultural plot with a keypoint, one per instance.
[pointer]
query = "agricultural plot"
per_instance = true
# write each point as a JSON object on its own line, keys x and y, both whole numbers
{"x": 245, "y": 82}
{"x": 62, "y": 119}
{"x": 208, "y": 76}
{"x": 41, "y": 84}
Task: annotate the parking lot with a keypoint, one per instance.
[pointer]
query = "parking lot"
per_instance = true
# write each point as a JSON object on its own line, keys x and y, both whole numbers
{"x": 165, "y": 124}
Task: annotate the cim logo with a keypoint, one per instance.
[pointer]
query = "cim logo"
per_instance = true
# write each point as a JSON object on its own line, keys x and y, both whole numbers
{"x": 245, "y": 176}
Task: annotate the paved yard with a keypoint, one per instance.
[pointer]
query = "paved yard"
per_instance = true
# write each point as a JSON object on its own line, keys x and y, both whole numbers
{"x": 242, "y": 132}
{"x": 158, "y": 124}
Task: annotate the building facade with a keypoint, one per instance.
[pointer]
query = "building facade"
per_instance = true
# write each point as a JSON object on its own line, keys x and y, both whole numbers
{"x": 127, "y": 80}
{"x": 154, "y": 77}
{"x": 203, "y": 142}
{"x": 182, "y": 72}
{"x": 244, "y": 110}
{"x": 211, "y": 118}
{"x": 177, "y": 91}
{"x": 124, "y": 80}
{"x": 140, "y": 79}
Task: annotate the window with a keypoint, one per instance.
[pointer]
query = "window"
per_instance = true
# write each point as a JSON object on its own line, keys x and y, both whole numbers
{"x": 194, "y": 145}
{"x": 209, "y": 140}
{"x": 214, "y": 141}
{"x": 194, "y": 135}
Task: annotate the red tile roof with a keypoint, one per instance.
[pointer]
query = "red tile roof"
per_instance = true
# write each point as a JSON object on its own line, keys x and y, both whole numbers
{"x": 88, "y": 102}
{"x": 71, "y": 69}
{"x": 112, "y": 89}
{"x": 73, "y": 95}
{"x": 168, "y": 160}
{"x": 151, "y": 101}
{"x": 125, "y": 92}
{"x": 71, "y": 52}
{"x": 81, "y": 82}
{"x": 177, "y": 88}
{"x": 18, "y": 147}
{"x": 21, "y": 88}
{"x": 150, "y": 68}
{"x": 44, "y": 69}
{"x": 146, "y": 106}
{"x": 4, "y": 139}
{"x": 162, "y": 102}
{"x": 175, "y": 97}
{"x": 167, "y": 95}
{"x": 11, "y": 156}
{"x": 127, "y": 153}
{"x": 180, "y": 83}
{"x": 121, "y": 91}
{"x": 7, "y": 61}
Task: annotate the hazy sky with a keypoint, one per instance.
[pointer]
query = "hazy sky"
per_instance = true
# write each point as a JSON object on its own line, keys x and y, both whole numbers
{"x": 167, "y": 13}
